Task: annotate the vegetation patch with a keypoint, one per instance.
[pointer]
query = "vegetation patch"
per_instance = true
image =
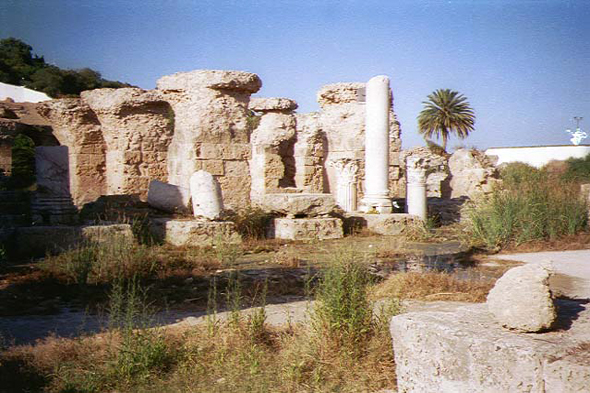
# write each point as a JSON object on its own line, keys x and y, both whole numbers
{"x": 531, "y": 204}
{"x": 432, "y": 286}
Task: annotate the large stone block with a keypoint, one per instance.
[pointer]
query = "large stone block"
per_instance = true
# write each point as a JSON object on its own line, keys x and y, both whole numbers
{"x": 196, "y": 233}
{"x": 168, "y": 197}
{"x": 522, "y": 300}
{"x": 382, "y": 224}
{"x": 466, "y": 351}
{"x": 310, "y": 205}
{"x": 307, "y": 228}
{"x": 40, "y": 240}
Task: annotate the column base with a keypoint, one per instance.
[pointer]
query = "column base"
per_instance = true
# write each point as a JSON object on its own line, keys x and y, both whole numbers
{"x": 378, "y": 204}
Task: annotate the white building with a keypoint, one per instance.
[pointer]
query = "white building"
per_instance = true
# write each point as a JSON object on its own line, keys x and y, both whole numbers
{"x": 21, "y": 94}
{"x": 538, "y": 156}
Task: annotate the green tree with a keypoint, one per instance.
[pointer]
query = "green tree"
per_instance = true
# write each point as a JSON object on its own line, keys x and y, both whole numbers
{"x": 18, "y": 66}
{"x": 446, "y": 112}
{"x": 17, "y": 62}
{"x": 23, "y": 162}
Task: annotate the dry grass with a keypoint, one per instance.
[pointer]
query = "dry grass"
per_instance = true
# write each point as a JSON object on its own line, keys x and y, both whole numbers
{"x": 289, "y": 359}
{"x": 432, "y": 286}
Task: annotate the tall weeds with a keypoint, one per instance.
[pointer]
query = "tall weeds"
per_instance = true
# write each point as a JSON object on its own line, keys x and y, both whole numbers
{"x": 94, "y": 263}
{"x": 531, "y": 204}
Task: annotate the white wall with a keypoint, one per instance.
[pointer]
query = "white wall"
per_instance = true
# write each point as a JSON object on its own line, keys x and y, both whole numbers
{"x": 538, "y": 155}
{"x": 21, "y": 94}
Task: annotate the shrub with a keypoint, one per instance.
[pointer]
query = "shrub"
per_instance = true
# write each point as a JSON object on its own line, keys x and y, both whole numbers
{"x": 251, "y": 222}
{"x": 343, "y": 311}
{"x": 94, "y": 263}
{"x": 531, "y": 204}
{"x": 578, "y": 169}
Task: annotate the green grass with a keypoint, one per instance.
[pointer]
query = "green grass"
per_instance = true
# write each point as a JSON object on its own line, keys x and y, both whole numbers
{"x": 346, "y": 348}
{"x": 531, "y": 204}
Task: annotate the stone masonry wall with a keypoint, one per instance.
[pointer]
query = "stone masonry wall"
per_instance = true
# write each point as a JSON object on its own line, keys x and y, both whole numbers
{"x": 76, "y": 126}
{"x": 137, "y": 128}
{"x": 211, "y": 130}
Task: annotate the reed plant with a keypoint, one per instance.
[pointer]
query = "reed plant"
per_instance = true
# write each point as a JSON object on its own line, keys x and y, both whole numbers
{"x": 530, "y": 204}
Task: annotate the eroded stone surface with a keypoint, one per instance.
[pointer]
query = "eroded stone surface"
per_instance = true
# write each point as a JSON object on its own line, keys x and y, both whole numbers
{"x": 522, "y": 300}
{"x": 437, "y": 171}
{"x": 211, "y": 128}
{"x": 307, "y": 228}
{"x": 309, "y": 205}
{"x": 472, "y": 173}
{"x": 76, "y": 126}
{"x": 382, "y": 224}
{"x": 196, "y": 233}
{"x": 168, "y": 197}
{"x": 272, "y": 104}
{"x": 137, "y": 128}
{"x": 465, "y": 350}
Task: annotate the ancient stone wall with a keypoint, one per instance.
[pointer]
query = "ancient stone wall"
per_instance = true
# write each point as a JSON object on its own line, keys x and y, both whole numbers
{"x": 310, "y": 154}
{"x": 273, "y": 166}
{"x": 76, "y": 126}
{"x": 437, "y": 172}
{"x": 211, "y": 128}
{"x": 342, "y": 120}
{"x": 137, "y": 127}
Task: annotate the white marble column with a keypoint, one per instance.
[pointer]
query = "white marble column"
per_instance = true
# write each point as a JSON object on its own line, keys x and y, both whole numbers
{"x": 378, "y": 100}
{"x": 416, "y": 187}
{"x": 346, "y": 192}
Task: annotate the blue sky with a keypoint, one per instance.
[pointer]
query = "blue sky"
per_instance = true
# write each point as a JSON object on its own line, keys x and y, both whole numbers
{"x": 524, "y": 65}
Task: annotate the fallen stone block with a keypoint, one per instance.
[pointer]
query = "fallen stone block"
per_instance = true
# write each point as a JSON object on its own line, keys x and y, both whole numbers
{"x": 196, "y": 233}
{"x": 522, "y": 300}
{"x": 307, "y": 228}
{"x": 310, "y": 205}
{"x": 382, "y": 224}
{"x": 466, "y": 350}
{"x": 169, "y": 197}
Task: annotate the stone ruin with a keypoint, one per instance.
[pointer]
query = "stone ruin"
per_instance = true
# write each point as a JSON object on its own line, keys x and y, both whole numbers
{"x": 312, "y": 170}
{"x": 523, "y": 339}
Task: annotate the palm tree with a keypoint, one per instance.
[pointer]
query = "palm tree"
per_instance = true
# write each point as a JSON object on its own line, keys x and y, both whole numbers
{"x": 445, "y": 112}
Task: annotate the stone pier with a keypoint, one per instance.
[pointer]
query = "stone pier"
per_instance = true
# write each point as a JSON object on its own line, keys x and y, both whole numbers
{"x": 346, "y": 193}
{"x": 416, "y": 187}
{"x": 378, "y": 104}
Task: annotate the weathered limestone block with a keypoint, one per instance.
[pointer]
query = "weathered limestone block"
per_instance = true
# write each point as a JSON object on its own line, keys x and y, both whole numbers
{"x": 522, "y": 300}
{"x": 307, "y": 228}
{"x": 196, "y": 233}
{"x": 137, "y": 126}
{"x": 76, "y": 126}
{"x": 472, "y": 173}
{"x": 273, "y": 164}
{"x": 309, "y": 154}
{"x": 206, "y": 196}
{"x": 465, "y": 351}
{"x": 437, "y": 170}
{"x": 382, "y": 224}
{"x": 168, "y": 197}
{"x": 210, "y": 116}
{"x": 272, "y": 104}
{"x": 309, "y": 205}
